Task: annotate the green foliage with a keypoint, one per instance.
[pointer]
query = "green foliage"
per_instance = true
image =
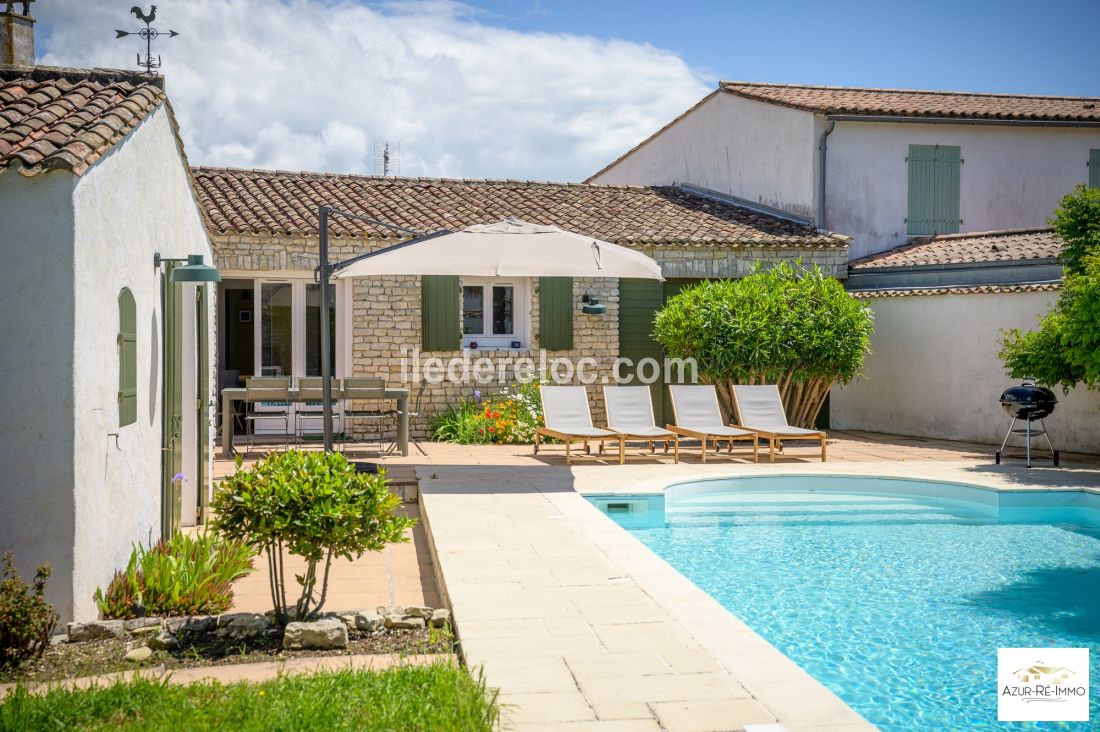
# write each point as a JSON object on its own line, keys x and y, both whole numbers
{"x": 26, "y": 619}
{"x": 1077, "y": 223}
{"x": 786, "y": 325}
{"x": 183, "y": 575}
{"x": 1065, "y": 350}
{"x": 441, "y": 697}
{"x": 314, "y": 505}
{"x": 507, "y": 419}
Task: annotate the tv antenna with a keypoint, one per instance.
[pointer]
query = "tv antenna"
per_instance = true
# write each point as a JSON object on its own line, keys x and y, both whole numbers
{"x": 148, "y": 33}
{"x": 387, "y": 158}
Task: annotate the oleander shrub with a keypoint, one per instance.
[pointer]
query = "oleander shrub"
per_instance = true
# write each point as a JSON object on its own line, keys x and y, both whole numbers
{"x": 785, "y": 325}
{"x": 26, "y": 619}
{"x": 183, "y": 575}
{"x": 509, "y": 418}
{"x": 315, "y": 505}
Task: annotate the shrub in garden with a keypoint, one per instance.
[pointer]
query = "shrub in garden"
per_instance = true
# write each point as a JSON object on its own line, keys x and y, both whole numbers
{"x": 784, "y": 325}
{"x": 1065, "y": 349}
{"x": 26, "y": 619}
{"x": 507, "y": 419}
{"x": 311, "y": 504}
{"x": 183, "y": 575}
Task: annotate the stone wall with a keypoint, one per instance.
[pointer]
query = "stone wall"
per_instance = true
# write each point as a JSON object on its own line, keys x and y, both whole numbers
{"x": 386, "y": 311}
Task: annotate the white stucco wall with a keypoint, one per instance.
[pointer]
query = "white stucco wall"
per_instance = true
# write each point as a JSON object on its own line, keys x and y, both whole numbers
{"x": 1011, "y": 177}
{"x": 134, "y": 202}
{"x": 935, "y": 373}
{"x": 760, "y": 152}
{"x": 36, "y": 325}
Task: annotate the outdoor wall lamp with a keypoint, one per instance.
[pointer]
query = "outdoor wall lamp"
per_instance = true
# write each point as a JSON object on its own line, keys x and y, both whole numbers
{"x": 592, "y": 306}
{"x": 193, "y": 271}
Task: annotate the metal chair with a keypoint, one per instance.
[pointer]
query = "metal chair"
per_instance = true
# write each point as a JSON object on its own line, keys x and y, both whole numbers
{"x": 369, "y": 389}
{"x": 273, "y": 393}
{"x": 310, "y": 405}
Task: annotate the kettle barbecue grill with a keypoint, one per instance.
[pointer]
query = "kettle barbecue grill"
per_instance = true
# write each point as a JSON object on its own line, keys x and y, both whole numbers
{"x": 1030, "y": 403}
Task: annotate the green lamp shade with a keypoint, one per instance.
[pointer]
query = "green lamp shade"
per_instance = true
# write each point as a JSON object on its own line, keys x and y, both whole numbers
{"x": 196, "y": 271}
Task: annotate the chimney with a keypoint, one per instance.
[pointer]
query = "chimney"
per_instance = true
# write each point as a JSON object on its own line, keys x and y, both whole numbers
{"x": 16, "y": 33}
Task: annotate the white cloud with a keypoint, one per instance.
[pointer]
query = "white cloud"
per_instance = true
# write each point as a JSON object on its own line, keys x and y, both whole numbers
{"x": 309, "y": 84}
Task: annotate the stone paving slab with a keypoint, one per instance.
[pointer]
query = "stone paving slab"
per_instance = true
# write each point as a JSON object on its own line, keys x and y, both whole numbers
{"x": 581, "y": 627}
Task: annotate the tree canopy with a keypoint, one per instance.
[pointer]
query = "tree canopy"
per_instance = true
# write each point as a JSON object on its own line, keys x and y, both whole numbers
{"x": 793, "y": 327}
{"x": 1065, "y": 349}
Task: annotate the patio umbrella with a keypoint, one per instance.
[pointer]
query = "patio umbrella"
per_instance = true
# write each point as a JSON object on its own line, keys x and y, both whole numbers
{"x": 508, "y": 248}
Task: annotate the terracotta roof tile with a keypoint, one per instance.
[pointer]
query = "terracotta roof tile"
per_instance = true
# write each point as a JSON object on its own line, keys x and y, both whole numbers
{"x": 68, "y": 118}
{"x": 281, "y": 202}
{"x": 990, "y": 246}
{"x": 974, "y": 290}
{"x": 917, "y": 103}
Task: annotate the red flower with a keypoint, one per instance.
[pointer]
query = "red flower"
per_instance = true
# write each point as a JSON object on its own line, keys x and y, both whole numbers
{"x": 492, "y": 429}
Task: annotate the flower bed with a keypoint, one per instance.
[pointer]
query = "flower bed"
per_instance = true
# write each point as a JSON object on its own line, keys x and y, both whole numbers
{"x": 509, "y": 418}
{"x": 103, "y": 646}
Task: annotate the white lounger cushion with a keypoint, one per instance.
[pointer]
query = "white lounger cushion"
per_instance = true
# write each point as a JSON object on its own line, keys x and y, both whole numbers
{"x": 760, "y": 407}
{"x": 565, "y": 410}
{"x": 696, "y": 408}
{"x": 630, "y": 411}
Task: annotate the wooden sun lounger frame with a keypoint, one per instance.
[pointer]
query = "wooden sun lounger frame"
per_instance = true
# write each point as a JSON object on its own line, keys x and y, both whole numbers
{"x": 704, "y": 436}
{"x": 569, "y": 439}
{"x": 674, "y": 438}
{"x": 775, "y": 438}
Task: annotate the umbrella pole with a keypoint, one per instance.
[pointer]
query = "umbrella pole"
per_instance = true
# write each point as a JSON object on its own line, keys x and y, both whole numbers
{"x": 326, "y": 357}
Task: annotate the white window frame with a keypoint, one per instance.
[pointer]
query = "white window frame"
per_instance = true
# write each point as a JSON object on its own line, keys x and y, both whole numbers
{"x": 344, "y": 308}
{"x": 521, "y": 313}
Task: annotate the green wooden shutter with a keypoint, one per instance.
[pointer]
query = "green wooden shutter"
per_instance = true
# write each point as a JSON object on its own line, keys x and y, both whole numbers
{"x": 1094, "y": 168}
{"x": 127, "y": 358}
{"x": 934, "y": 174}
{"x": 639, "y": 301}
{"x": 948, "y": 170}
{"x": 556, "y": 313}
{"x": 922, "y": 174}
{"x": 439, "y": 326}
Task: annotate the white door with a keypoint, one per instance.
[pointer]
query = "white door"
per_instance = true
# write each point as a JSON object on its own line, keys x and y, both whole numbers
{"x": 287, "y": 322}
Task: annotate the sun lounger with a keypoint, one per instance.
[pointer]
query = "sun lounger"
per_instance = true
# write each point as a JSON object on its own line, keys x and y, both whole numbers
{"x": 567, "y": 418}
{"x": 760, "y": 410}
{"x": 695, "y": 409}
{"x": 630, "y": 413}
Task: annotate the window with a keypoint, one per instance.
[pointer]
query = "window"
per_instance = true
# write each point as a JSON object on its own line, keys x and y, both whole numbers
{"x": 127, "y": 358}
{"x": 934, "y": 172}
{"x": 493, "y": 313}
{"x": 1094, "y": 168}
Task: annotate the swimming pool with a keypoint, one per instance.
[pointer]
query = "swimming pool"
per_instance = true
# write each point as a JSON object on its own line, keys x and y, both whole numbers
{"x": 895, "y": 594}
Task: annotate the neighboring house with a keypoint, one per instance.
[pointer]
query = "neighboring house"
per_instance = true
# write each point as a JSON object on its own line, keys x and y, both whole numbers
{"x": 264, "y": 226}
{"x": 880, "y": 165}
{"x": 940, "y": 308}
{"x": 100, "y": 350}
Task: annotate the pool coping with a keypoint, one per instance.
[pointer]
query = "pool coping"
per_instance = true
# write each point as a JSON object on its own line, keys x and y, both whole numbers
{"x": 795, "y": 699}
{"x": 791, "y": 696}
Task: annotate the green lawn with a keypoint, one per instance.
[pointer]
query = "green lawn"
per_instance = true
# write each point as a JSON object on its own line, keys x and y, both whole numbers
{"x": 438, "y": 697}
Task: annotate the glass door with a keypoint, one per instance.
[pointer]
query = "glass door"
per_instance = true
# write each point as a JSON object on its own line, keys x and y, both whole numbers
{"x": 287, "y": 322}
{"x": 276, "y": 318}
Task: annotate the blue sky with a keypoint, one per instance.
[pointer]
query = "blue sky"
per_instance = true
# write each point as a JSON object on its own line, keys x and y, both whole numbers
{"x": 1045, "y": 47}
{"x": 537, "y": 89}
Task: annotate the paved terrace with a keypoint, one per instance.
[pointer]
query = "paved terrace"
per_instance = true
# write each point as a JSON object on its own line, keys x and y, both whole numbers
{"x": 581, "y": 627}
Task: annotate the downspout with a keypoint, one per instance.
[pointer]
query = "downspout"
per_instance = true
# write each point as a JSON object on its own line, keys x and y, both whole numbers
{"x": 823, "y": 147}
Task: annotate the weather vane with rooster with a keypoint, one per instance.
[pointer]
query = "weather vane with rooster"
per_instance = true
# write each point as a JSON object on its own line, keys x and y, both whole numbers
{"x": 148, "y": 33}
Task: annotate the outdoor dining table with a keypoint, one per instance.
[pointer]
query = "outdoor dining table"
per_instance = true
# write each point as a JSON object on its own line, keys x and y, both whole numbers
{"x": 232, "y": 395}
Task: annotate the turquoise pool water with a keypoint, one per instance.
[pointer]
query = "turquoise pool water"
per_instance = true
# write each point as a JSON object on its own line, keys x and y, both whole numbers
{"x": 894, "y": 594}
